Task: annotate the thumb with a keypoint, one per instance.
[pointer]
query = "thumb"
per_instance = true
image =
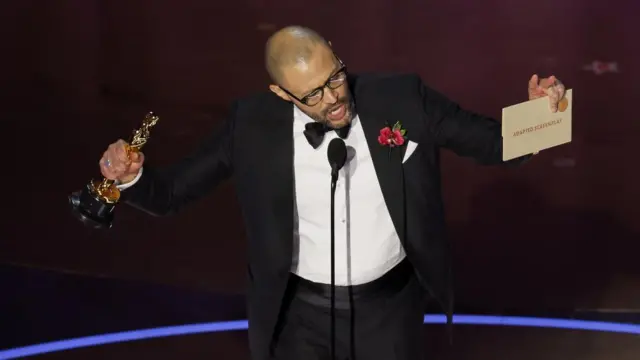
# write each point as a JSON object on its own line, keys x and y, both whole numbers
{"x": 533, "y": 82}
{"x": 533, "y": 86}
{"x": 136, "y": 157}
{"x": 134, "y": 168}
{"x": 136, "y": 162}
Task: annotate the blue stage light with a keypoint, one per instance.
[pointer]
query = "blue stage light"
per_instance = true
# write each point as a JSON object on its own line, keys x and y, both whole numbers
{"x": 181, "y": 330}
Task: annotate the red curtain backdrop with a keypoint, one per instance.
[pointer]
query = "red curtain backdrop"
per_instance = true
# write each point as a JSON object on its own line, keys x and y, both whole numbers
{"x": 562, "y": 232}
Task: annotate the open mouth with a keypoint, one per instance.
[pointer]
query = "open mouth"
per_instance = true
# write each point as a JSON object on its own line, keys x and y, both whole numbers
{"x": 337, "y": 113}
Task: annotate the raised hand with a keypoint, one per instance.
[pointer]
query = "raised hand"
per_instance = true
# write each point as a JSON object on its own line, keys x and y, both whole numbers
{"x": 551, "y": 87}
{"x": 117, "y": 163}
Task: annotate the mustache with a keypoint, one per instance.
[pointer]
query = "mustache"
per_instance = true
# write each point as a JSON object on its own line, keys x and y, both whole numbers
{"x": 341, "y": 101}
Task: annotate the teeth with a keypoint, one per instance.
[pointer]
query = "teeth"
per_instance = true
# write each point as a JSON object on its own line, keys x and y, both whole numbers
{"x": 336, "y": 110}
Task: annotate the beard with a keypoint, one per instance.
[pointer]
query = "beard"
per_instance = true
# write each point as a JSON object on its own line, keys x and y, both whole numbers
{"x": 346, "y": 100}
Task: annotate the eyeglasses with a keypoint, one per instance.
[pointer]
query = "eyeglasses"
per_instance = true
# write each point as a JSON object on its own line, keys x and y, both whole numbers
{"x": 333, "y": 82}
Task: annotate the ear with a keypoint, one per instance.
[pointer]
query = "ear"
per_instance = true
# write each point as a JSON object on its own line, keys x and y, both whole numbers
{"x": 278, "y": 91}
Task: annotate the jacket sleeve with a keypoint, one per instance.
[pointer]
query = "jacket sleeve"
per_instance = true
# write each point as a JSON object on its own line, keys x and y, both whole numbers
{"x": 166, "y": 191}
{"x": 464, "y": 132}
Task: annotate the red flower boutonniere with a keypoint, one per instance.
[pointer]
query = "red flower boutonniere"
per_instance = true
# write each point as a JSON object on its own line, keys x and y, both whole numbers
{"x": 392, "y": 136}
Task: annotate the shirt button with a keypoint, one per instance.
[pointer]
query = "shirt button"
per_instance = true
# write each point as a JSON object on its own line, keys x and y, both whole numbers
{"x": 343, "y": 221}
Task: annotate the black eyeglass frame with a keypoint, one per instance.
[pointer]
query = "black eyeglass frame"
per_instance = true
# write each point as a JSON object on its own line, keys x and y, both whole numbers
{"x": 305, "y": 99}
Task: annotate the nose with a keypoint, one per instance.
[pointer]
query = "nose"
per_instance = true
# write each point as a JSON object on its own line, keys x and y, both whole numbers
{"x": 330, "y": 97}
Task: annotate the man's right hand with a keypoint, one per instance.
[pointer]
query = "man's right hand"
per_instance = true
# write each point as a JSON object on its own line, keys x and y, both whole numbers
{"x": 118, "y": 164}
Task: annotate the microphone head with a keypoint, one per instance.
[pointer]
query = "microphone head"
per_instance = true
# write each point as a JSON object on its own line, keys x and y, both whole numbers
{"x": 337, "y": 154}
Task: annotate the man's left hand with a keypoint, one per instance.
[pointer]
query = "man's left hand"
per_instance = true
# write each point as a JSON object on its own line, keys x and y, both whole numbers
{"x": 551, "y": 87}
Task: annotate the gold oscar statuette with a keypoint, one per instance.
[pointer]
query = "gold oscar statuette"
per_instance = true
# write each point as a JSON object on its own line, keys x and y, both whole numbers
{"x": 94, "y": 204}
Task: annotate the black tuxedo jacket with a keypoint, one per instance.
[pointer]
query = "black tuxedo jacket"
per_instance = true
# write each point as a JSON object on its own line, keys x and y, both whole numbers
{"x": 255, "y": 145}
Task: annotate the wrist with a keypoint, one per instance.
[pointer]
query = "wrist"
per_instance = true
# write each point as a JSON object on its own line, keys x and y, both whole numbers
{"x": 127, "y": 179}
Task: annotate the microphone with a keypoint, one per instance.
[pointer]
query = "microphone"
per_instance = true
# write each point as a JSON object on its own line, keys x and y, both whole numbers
{"x": 337, "y": 156}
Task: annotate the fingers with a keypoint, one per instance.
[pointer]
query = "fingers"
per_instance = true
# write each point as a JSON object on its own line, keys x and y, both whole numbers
{"x": 557, "y": 86}
{"x": 535, "y": 91}
{"x": 555, "y": 90}
{"x": 561, "y": 89}
{"x": 134, "y": 156}
{"x": 106, "y": 169}
{"x": 118, "y": 157}
{"x": 551, "y": 87}
{"x": 547, "y": 82}
{"x": 554, "y": 98}
{"x": 116, "y": 162}
{"x": 551, "y": 91}
{"x": 120, "y": 150}
{"x": 137, "y": 159}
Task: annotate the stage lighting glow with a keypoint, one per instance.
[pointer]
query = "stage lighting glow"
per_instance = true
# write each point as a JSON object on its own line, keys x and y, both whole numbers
{"x": 181, "y": 330}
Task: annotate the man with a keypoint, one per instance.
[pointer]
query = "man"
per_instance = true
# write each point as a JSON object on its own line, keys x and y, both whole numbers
{"x": 391, "y": 248}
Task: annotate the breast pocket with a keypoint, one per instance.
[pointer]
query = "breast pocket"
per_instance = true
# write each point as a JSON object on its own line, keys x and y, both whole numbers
{"x": 410, "y": 151}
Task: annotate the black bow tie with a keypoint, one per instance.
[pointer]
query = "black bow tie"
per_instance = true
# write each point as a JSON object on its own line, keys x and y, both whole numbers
{"x": 314, "y": 132}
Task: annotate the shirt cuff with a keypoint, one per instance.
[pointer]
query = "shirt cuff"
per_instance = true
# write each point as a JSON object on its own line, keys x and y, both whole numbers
{"x": 130, "y": 183}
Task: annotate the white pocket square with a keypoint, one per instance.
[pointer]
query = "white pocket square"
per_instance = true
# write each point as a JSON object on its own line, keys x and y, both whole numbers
{"x": 411, "y": 147}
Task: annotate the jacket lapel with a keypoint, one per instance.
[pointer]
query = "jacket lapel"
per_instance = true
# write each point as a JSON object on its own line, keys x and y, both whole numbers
{"x": 387, "y": 161}
{"x": 279, "y": 130}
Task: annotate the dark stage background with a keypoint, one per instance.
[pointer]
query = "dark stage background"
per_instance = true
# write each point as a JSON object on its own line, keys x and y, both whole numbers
{"x": 560, "y": 233}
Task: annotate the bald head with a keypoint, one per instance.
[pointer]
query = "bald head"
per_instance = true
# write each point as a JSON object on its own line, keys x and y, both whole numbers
{"x": 292, "y": 46}
{"x": 305, "y": 71}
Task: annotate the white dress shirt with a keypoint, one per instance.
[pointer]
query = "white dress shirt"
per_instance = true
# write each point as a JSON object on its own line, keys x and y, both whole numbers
{"x": 366, "y": 242}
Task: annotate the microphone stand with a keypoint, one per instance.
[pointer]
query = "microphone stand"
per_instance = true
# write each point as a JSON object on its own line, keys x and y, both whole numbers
{"x": 337, "y": 156}
{"x": 334, "y": 180}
